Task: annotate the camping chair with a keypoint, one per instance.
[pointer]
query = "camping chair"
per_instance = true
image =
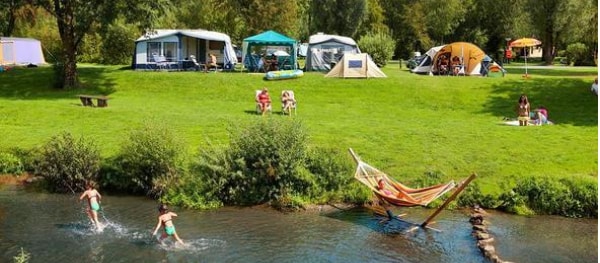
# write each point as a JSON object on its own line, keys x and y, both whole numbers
{"x": 292, "y": 103}
{"x": 268, "y": 107}
{"x": 197, "y": 65}
{"x": 285, "y": 63}
{"x": 161, "y": 61}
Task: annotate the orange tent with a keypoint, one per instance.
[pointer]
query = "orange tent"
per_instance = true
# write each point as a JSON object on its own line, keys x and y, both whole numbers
{"x": 467, "y": 56}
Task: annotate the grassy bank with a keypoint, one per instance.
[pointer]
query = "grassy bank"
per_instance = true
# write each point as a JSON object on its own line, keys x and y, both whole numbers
{"x": 406, "y": 124}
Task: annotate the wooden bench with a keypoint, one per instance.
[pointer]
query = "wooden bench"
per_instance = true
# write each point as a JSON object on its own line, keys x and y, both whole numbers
{"x": 86, "y": 100}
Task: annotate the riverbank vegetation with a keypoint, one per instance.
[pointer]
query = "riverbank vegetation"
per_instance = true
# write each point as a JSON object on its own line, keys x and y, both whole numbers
{"x": 193, "y": 139}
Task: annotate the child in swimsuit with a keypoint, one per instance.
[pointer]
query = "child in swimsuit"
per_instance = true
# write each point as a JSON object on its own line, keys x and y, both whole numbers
{"x": 93, "y": 198}
{"x": 165, "y": 219}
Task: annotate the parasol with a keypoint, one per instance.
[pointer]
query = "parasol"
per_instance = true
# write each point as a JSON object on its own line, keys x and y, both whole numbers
{"x": 525, "y": 42}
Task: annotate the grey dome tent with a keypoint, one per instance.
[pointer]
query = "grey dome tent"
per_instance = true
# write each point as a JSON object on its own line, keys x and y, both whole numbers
{"x": 324, "y": 51}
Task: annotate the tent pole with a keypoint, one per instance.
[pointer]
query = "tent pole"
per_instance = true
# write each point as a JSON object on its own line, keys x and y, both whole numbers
{"x": 450, "y": 199}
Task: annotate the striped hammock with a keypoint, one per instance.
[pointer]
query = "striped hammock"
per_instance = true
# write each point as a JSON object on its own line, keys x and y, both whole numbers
{"x": 396, "y": 193}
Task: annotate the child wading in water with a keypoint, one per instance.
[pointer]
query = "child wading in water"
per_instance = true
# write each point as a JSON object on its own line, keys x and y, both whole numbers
{"x": 165, "y": 219}
{"x": 93, "y": 198}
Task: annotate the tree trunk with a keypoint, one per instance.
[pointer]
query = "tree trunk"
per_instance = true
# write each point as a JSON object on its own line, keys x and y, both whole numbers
{"x": 69, "y": 68}
{"x": 66, "y": 27}
{"x": 547, "y": 45}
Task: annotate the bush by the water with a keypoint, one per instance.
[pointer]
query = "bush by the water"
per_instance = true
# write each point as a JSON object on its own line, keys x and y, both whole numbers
{"x": 10, "y": 164}
{"x": 572, "y": 197}
{"x": 265, "y": 162}
{"x": 67, "y": 163}
{"x": 332, "y": 170}
{"x": 150, "y": 157}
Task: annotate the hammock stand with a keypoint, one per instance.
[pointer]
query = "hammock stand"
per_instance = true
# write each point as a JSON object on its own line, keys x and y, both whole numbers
{"x": 398, "y": 194}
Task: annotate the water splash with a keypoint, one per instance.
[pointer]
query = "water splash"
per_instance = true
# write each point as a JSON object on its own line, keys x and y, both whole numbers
{"x": 195, "y": 246}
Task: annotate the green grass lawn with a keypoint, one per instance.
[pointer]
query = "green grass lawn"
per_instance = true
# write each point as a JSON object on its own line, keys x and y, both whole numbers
{"x": 405, "y": 124}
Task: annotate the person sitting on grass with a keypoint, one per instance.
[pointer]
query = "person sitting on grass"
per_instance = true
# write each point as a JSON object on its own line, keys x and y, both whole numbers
{"x": 539, "y": 116}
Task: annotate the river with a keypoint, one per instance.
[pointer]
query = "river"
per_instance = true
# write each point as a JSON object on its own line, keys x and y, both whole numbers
{"x": 54, "y": 228}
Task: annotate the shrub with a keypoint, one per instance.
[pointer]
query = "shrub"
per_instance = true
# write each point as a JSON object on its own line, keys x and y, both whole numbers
{"x": 379, "y": 45}
{"x": 67, "y": 163}
{"x": 544, "y": 195}
{"x": 149, "y": 159}
{"x": 117, "y": 45}
{"x": 576, "y": 53}
{"x": 472, "y": 196}
{"x": 262, "y": 163}
{"x": 583, "y": 196}
{"x": 27, "y": 157}
{"x": 332, "y": 170}
{"x": 10, "y": 164}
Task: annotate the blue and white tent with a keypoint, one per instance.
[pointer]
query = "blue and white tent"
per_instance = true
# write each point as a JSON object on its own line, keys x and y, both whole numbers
{"x": 177, "y": 45}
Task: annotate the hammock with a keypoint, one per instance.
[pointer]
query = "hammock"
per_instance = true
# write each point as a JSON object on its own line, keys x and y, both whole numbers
{"x": 401, "y": 195}
{"x": 397, "y": 193}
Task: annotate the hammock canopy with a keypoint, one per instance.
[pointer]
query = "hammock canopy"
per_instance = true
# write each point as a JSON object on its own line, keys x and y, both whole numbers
{"x": 395, "y": 192}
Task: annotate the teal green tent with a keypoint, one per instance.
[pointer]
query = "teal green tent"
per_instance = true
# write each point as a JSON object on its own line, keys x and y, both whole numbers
{"x": 268, "y": 38}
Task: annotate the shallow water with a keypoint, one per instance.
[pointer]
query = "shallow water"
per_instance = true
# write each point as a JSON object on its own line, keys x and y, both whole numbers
{"x": 54, "y": 228}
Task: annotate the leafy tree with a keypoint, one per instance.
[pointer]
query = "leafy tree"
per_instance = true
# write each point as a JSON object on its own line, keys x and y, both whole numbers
{"x": 117, "y": 43}
{"x": 303, "y": 22}
{"x": 374, "y": 20}
{"x": 258, "y": 15}
{"x": 7, "y": 21}
{"x": 43, "y": 29}
{"x": 582, "y": 26}
{"x": 14, "y": 11}
{"x": 551, "y": 18}
{"x": 341, "y": 17}
{"x": 490, "y": 22}
{"x": 443, "y": 16}
{"x": 75, "y": 19}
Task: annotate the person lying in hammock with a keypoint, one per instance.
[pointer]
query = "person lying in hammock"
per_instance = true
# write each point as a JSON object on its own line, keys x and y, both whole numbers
{"x": 383, "y": 203}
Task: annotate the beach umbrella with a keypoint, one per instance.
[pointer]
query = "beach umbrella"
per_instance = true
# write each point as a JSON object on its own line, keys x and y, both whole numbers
{"x": 525, "y": 42}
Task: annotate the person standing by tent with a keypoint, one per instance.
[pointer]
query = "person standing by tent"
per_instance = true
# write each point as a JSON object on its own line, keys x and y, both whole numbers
{"x": 523, "y": 109}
